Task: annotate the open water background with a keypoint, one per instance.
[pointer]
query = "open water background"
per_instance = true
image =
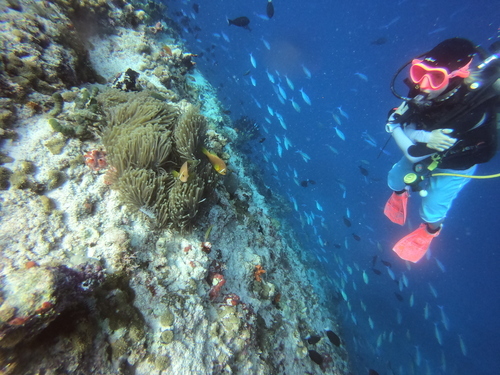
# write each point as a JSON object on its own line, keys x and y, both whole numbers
{"x": 335, "y": 40}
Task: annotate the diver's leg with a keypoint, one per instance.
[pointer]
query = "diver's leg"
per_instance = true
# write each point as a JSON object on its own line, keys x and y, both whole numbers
{"x": 441, "y": 192}
{"x": 395, "y": 208}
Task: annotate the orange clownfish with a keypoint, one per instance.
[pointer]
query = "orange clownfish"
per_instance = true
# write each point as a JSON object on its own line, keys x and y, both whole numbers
{"x": 218, "y": 164}
{"x": 183, "y": 174}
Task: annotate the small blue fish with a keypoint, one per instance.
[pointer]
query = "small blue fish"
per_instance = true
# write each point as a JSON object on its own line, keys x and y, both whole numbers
{"x": 281, "y": 120}
{"x": 342, "y": 112}
{"x": 295, "y": 105}
{"x": 304, "y": 155}
{"x": 336, "y": 118}
{"x": 280, "y": 150}
{"x": 270, "y": 110}
{"x": 252, "y": 60}
{"x": 305, "y": 97}
{"x": 254, "y": 83}
{"x": 266, "y": 43}
{"x": 287, "y": 144}
{"x": 280, "y": 98}
{"x": 270, "y": 77}
{"x": 282, "y": 91}
{"x": 289, "y": 83}
{"x": 256, "y": 102}
{"x": 225, "y": 37}
{"x": 318, "y": 206}
{"x": 362, "y": 76}
{"x": 370, "y": 142}
{"x": 463, "y": 348}
{"x": 438, "y": 30}
{"x": 339, "y": 133}
{"x": 440, "y": 265}
{"x": 333, "y": 149}
{"x": 306, "y": 71}
{"x": 437, "y": 333}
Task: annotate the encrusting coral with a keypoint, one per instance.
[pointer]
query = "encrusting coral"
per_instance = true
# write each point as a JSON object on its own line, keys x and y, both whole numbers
{"x": 258, "y": 271}
{"x": 147, "y": 141}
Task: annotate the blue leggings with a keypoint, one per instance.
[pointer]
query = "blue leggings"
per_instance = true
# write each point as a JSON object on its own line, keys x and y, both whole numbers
{"x": 441, "y": 189}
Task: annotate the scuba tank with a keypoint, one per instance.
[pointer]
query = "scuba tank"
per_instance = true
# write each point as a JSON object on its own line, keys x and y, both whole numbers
{"x": 488, "y": 71}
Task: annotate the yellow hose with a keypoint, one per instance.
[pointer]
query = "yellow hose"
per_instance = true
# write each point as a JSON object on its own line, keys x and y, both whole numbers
{"x": 466, "y": 176}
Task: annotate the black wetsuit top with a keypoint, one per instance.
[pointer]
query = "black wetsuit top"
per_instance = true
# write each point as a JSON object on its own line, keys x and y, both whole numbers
{"x": 474, "y": 126}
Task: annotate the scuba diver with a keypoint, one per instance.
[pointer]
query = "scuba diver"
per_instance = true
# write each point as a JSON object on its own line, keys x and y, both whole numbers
{"x": 445, "y": 127}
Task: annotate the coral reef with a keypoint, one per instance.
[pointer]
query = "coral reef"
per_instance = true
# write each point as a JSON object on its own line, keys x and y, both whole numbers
{"x": 35, "y": 301}
{"x": 43, "y": 54}
{"x": 145, "y": 301}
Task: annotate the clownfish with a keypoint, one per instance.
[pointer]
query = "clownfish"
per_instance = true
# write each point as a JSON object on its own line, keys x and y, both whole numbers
{"x": 218, "y": 164}
{"x": 183, "y": 174}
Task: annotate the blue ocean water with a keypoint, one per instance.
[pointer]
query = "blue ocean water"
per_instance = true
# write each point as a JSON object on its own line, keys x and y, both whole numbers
{"x": 352, "y": 49}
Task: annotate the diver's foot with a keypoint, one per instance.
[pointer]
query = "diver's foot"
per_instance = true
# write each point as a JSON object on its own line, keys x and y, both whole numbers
{"x": 395, "y": 208}
{"x": 414, "y": 246}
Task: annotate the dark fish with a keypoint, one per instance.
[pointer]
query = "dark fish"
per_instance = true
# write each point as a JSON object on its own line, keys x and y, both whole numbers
{"x": 337, "y": 246}
{"x": 376, "y": 271}
{"x": 246, "y": 73}
{"x": 196, "y": 7}
{"x": 374, "y": 260}
{"x": 316, "y": 357}
{"x": 398, "y": 296}
{"x": 347, "y": 222}
{"x": 372, "y": 372}
{"x": 386, "y": 263}
{"x": 356, "y": 237}
{"x": 270, "y": 8}
{"x": 313, "y": 339}
{"x": 363, "y": 170}
{"x": 240, "y": 22}
{"x": 379, "y": 41}
{"x": 334, "y": 339}
{"x": 262, "y": 140}
{"x": 305, "y": 182}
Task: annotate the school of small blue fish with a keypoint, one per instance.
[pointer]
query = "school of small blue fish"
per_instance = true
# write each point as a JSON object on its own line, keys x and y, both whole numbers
{"x": 287, "y": 159}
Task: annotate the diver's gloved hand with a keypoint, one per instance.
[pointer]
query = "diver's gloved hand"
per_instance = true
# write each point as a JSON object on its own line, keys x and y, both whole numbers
{"x": 440, "y": 141}
{"x": 390, "y": 126}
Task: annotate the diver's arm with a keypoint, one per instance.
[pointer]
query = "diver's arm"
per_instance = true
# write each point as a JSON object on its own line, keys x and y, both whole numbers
{"x": 404, "y": 143}
{"x": 415, "y": 135}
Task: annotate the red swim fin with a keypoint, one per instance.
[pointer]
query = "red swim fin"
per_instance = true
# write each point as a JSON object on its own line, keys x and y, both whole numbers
{"x": 414, "y": 246}
{"x": 395, "y": 208}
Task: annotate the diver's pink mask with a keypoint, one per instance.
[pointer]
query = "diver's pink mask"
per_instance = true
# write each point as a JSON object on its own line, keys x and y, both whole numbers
{"x": 433, "y": 78}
